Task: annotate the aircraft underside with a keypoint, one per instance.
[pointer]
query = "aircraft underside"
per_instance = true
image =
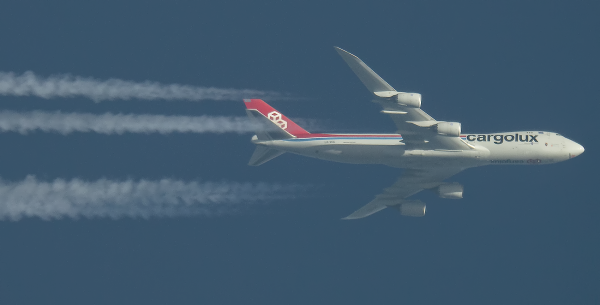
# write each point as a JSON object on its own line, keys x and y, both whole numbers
{"x": 391, "y": 155}
{"x": 430, "y": 151}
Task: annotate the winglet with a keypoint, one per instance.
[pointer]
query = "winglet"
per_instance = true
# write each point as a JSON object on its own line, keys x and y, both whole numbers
{"x": 369, "y": 78}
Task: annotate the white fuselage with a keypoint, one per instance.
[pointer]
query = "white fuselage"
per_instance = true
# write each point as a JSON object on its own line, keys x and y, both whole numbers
{"x": 512, "y": 148}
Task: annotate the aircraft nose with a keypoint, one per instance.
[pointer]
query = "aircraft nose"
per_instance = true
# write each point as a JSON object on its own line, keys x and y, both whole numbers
{"x": 575, "y": 150}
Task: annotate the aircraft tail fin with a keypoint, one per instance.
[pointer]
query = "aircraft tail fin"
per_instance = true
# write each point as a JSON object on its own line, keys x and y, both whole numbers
{"x": 263, "y": 154}
{"x": 271, "y": 124}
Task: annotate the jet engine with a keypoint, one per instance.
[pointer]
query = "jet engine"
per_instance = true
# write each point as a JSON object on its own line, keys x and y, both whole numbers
{"x": 450, "y": 191}
{"x": 412, "y": 208}
{"x": 449, "y": 128}
{"x": 409, "y": 99}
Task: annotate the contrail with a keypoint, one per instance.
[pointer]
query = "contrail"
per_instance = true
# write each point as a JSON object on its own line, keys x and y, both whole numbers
{"x": 29, "y": 84}
{"x": 109, "y": 123}
{"x": 137, "y": 199}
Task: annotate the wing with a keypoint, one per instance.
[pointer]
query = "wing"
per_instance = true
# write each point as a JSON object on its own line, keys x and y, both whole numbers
{"x": 412, "y": 123}
{"x": 411, "y": 182}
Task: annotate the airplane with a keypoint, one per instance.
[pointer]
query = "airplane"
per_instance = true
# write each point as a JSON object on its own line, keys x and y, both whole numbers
{"x": 428, "y": 150}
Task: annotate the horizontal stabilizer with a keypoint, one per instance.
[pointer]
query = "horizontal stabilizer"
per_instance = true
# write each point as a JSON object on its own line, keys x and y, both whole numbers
{"x": 368, "y": 77}
{"x": 263, "y": 154}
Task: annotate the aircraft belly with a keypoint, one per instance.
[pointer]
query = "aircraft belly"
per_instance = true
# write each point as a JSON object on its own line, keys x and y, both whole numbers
{"x": 525, "y": 154}
{"x": 440, "y": 158}
{"x": 375, "y": 152}
{"x": 358, "y": 154}
{"x": 392, "y": 155}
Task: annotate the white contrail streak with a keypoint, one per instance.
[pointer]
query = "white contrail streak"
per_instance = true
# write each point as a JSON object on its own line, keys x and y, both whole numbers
{"x": 137, "y": 199}
{"x": 108, "y": 123}
{"x": 29, "y": 84}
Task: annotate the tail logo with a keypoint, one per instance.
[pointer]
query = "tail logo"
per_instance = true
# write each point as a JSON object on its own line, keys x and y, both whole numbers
{"x": 275, "y": 117}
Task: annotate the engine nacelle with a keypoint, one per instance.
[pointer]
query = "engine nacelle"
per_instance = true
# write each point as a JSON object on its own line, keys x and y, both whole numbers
{"x": 409, "y": 99}
{"x": 449, "y": 128}
{"x": 413, "y": 209}
{"x": 450, "y": 191}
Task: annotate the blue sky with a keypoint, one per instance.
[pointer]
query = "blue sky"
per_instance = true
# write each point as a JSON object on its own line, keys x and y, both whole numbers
{"x": 521, "y": 235}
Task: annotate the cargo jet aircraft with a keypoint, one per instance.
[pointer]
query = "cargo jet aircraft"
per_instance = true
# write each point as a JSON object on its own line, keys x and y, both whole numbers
{"x": 430, "y": 151}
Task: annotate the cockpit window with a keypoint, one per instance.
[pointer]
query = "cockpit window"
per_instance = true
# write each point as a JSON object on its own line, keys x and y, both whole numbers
{"x": 558, "y": 134}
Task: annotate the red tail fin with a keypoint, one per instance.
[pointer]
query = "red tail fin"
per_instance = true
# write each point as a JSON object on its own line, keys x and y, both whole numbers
{"x": 275, "y": 116}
